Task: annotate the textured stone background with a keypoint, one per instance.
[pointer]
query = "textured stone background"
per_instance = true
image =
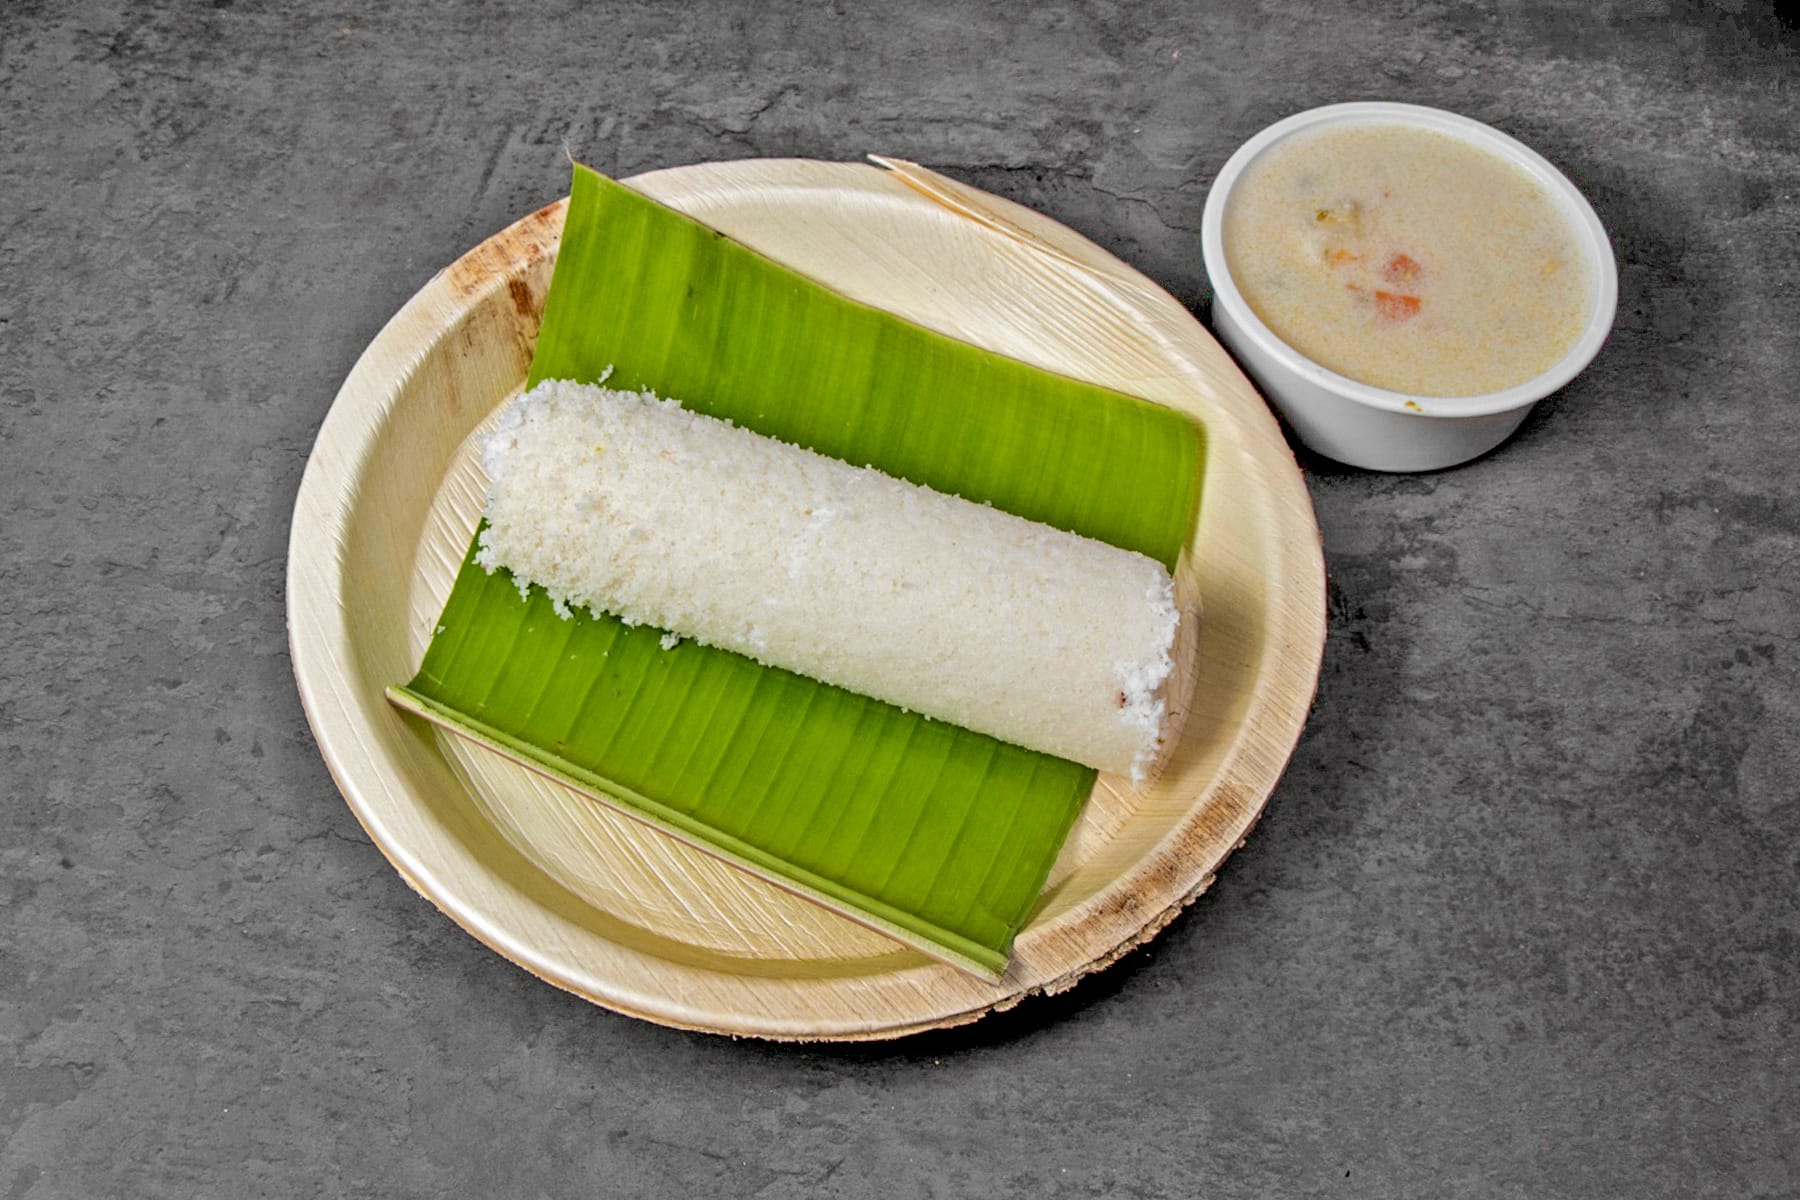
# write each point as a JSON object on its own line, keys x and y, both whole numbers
{"x": 1522, "y": 917}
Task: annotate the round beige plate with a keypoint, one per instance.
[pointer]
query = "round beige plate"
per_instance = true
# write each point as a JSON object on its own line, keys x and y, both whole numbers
{"x": 613, "y": 911}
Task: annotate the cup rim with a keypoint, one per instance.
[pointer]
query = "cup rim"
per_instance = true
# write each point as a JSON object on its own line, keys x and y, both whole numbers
{"x": 1575, "y": 207}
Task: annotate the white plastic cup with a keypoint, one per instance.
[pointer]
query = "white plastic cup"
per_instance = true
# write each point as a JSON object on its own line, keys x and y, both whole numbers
{"x": 1373, "y": 427}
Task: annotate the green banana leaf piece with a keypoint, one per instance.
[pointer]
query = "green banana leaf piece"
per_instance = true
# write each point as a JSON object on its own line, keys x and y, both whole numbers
{"x": 936, "y": 835}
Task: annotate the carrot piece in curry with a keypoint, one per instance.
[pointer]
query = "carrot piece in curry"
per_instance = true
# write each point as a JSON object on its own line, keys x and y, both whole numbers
{"x": 1396, "y": 307}
{"x": 1401, "y": 268}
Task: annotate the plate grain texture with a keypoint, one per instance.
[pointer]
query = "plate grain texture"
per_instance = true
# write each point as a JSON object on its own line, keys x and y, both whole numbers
{"x": 596, "y": 903}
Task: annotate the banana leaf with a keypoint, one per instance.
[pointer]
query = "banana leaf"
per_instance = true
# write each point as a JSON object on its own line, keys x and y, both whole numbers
{"x": 933, "y": 834}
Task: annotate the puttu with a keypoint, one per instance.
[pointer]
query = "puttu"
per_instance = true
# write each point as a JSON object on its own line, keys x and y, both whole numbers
{"x": 629, "y": 504}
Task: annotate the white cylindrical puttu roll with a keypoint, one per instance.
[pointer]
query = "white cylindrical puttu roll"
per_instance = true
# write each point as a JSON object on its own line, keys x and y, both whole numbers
{"x": 627, "y": 504}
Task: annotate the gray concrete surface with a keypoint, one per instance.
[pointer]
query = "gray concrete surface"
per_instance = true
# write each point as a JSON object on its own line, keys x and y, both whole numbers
{"x": 1521, "y": 920}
